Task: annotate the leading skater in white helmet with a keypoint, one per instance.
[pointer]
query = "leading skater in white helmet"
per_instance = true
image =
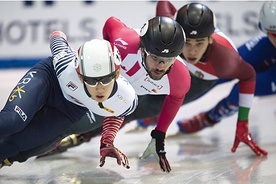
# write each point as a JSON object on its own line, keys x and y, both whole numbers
{"x": 58, "y": 91}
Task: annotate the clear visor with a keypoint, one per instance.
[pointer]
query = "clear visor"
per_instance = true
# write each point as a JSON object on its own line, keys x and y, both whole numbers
{"x": 158, "y": 59}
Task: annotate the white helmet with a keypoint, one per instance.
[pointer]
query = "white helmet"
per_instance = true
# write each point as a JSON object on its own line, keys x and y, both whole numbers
{"x": 97, "y": 58}
{"x": 268, "y": 17}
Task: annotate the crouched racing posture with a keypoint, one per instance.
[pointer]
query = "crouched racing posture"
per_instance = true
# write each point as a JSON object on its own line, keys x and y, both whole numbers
{"x": 58, "y": 91}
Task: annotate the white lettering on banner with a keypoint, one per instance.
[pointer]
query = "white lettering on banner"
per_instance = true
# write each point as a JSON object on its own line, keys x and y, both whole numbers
{"x": 249, "y": 20}
{"x": 27, "y": 31}
{"x": 19, "y": 31}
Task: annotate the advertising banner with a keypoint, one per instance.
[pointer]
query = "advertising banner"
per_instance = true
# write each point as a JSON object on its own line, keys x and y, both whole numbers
{"x": 25, "y": 26}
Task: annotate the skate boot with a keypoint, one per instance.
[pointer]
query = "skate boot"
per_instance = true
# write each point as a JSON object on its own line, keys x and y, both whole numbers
{"x": 195, "y": 123}
{"x": 143, "y": 124}
{"x": 68, "y": 142}
{"x": 6, "y": 162}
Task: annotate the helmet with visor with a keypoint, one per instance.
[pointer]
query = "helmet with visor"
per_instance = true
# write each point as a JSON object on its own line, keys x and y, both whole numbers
{"x": 97, "y": 62}
{"x": 162, "y": 37}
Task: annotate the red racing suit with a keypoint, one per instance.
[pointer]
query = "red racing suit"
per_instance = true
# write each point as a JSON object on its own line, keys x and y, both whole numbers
{"x": 221, "y": 60}
{"x": 175, "y": 84}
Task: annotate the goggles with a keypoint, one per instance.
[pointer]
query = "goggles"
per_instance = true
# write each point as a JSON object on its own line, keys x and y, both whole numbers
{"x": 94, "y": 81}
{"x": 158, "y": 59}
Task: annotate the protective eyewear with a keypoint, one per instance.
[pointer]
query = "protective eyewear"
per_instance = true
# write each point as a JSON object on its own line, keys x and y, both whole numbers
{"x": 94, "y": 81}
{"x": 158, "y": 59}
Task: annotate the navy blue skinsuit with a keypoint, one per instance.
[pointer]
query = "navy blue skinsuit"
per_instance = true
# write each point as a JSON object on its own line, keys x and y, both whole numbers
{"x": 36, "y": 111}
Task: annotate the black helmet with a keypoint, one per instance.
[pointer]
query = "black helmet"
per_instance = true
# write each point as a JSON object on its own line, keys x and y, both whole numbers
{"x": 197, "y": 20}
{"x": 163, "y": 37}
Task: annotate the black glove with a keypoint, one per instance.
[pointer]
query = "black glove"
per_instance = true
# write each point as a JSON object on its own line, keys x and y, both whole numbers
{"x": 157, "y": 148}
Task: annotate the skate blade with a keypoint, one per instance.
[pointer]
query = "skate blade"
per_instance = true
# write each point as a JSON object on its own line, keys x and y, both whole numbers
{"x": 181, "y": 135}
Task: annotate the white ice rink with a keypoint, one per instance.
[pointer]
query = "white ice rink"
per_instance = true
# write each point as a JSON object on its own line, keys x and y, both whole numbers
{"x": 204, "y": 157}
